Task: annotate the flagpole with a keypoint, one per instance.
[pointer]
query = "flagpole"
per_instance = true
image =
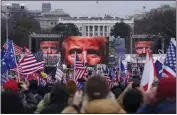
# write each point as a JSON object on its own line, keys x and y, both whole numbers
{"x": 15, "y": 60}
{"x": 7, "y": 36}
{"x": 119, "y": 68}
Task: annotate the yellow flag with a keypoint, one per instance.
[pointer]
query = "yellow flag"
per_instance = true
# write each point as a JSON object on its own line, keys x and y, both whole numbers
{"x": 44, "y": 75}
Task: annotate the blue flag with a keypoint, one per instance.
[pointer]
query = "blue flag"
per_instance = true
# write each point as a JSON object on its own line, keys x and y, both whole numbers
{"x": 122, "y": 67}
{"x": 158, "y": 67}
{"x": 80, "y": 86}
{"x": 9, "y": 56}
{"x": 3, "y": 51}
{"x": 4, "y": 67}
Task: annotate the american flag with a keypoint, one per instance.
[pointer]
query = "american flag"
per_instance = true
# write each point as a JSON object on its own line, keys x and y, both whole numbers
{"x": 17, "y": 49}
{"x": 59, "y": 73}
{"x": 106, "y": 76}
{"x": 49, "y": 79}
{"x": 31, "y": 63}
{"x": 79, "y": 69}
{"x": 170, "y": 61}
{"x": 36, "y": 76}
{"x": 108, "y": 80}
{"x": 27, "y": 51}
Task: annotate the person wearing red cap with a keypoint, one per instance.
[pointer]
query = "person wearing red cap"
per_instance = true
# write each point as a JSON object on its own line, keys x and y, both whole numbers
{"x": 11, "y": 85}
{"x": 162, "y": 100}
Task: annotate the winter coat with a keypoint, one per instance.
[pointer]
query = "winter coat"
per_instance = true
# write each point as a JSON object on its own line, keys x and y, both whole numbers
{"x": 86, "y": 100}
{"x": 29, "y": 102}
{"x": 97, "y": 106}
{"x": 54, "y": 108}
{"x": 103, "y": 106}
{"x": 58, "y": 99}
{"x": 43, "y": 103}
{"x": 167, "y": 107}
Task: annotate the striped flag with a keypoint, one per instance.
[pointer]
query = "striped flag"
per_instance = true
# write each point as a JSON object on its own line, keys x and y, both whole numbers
{"x": 17, "y": 49}
{"x": 79, "y": 69}
{"x": 170, "y": 61}
{"x": 59, "y": 73}
{"x": 106, "y": 76}
{"x": 27, "y": 51}
{"x": 158, "y": 66}
{"x": 31, "y": 63}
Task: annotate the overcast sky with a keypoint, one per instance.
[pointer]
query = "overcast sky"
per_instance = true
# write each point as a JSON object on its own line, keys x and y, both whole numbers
{"x": 92, "y": 8}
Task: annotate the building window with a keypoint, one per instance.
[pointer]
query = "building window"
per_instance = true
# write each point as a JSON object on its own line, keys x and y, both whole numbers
{"x": 80, "y": 28}
{"x": 86, "y": 28}
{"x": 91, "y": 28}
{"x": 86, "y": 34}
{"x": 105, "y": 28}
{"x": 91, "y": 34}
{"x": 51, "y": 22}
{"x": 105, "y": 34}
{"x": 101, "y": 34}
{"x": 96, "y": 34}
{"x": 101, "y": 28}
{"x": 96, "y": 28}
{"x": 55, "y": 23}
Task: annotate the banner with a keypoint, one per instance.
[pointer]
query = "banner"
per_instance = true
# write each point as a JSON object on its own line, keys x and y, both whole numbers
{"x": 143, "y": 46}
{"x": 51, "y": 59}
{"x": 120, "y": 48}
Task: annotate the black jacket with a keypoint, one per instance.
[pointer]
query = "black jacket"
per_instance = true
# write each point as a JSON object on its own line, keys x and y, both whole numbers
{"x": 54, "y": 108}
{"x": 29, "y": 102}
{"x": 58, "y": 99}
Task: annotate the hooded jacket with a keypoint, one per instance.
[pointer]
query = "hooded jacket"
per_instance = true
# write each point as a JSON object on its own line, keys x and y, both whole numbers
{"x": 168, "y": 107}
{"x": 103, "y": 106}
{"x": 58, "y": 99}
{"x": 43, "y": 103}
{"x": 97, "y": 106}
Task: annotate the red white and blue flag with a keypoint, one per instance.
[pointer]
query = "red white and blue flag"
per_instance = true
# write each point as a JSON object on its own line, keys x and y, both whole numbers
{"x": 31, "y": 63}
{"x": 79, "y": 69}
{"x": 17, "y": 49}
{"x": 170, "y": 61}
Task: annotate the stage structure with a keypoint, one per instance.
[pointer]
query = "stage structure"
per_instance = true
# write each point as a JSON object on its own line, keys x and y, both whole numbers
{"x": 49, "y": 44}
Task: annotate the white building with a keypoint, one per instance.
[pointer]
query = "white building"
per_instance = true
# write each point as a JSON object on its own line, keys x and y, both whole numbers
{"x": 88, "y": 26}
{"x": 95, "y": 26}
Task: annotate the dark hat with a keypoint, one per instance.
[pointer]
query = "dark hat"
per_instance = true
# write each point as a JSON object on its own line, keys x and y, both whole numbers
{"x": 96, "y": 87}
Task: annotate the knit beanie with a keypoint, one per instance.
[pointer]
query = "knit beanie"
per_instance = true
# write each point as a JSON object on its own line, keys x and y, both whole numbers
{"x": 166, "y": 89}
{"x": 11, "y": 85}
{"x": 97, "y": 87}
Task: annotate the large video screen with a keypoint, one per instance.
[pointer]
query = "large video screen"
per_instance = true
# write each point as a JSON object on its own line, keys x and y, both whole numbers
{"x": 143, "y": 46}
{"x": 49, "y": 47}
{"x": 91, "y": 50}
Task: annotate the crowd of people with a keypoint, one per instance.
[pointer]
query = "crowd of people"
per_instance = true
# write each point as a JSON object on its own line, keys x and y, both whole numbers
{"x": 94, "y": 97}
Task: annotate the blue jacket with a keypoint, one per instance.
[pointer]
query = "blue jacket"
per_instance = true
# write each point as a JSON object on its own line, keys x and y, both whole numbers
{"x": 168, "y": 107}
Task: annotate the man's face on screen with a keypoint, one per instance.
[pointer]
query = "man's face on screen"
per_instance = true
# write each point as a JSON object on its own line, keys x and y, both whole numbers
{"x": 87, "y": 49}
{"x": 49, "y": 47}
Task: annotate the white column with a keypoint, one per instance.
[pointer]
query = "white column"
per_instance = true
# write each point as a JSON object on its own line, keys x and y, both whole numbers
{"x": 103, "y": 30}
{"x": 83, "y": 30}
{"x": 88, "y": 30}
{"x": 107, "y": 30}
{"x": 98, "y": 30}
{"x": 93, "y": 30}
